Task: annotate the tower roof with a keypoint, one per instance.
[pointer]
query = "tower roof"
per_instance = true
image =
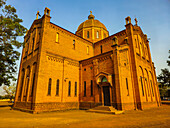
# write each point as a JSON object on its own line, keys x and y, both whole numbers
{"x": 91, "y": 22}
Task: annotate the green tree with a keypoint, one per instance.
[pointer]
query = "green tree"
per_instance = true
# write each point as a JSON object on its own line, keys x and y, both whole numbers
{"x": 10, "y": 29}
{"x": 10, "y": 90}
{"x": 164, "y": 80}
{"x": 168, "y": 61}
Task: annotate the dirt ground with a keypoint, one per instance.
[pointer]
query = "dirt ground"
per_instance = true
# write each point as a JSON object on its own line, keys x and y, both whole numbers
{"x": 150, "y": 118}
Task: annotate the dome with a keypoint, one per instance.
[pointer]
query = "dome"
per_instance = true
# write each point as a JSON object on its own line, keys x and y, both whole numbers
{"x": 91, "y": 22}
{"x": 92, "y": 29}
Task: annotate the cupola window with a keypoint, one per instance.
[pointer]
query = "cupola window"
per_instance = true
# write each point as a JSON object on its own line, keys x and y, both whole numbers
{"x": 97, "y": 35}
{"x": 104, "y": 35}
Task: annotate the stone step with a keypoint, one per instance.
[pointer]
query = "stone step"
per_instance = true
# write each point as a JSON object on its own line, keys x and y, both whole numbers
{"x": 112, "y": 109}
{"x": 105, "y": 110}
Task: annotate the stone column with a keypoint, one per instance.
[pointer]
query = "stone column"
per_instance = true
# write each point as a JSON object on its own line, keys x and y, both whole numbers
{"x": 96, "y": 88}
{"x": 115, "y": 59}
{"x": 81, "y": 83}
{"x": 93, "y": 35}
{"x": 132, "y": 49}
{"x": 102, "y": 95}
{"x": 111, "y": 95}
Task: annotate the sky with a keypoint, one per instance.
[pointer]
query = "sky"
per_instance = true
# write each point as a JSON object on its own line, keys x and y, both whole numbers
{"x": 153, "y": 17}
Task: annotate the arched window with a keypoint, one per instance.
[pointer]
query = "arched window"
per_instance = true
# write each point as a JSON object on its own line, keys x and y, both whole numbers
{"x": 101, "y": 49}
{"x": 84, "y": 88}
{"x": 27, "y": 45}
{"x": 147, "y": 86}
{"x": 136, "y": 43}
{"x": 33, "y": 81}
{"x": 127, "y": 87}
{"x": 75, "y": 89}
{"x": 27, "y": 83}
{"x": 141, "y": 49}
{"x": 87, "y": 49}
{"x": 104, "y": 79}
{"x": 69, "y": 88}
{"x": 97, "y": 34}
{"x": 49, "y": 86}
{"x": 73, "y": 44}
{"x": 152, "y": 88}
{"x": 39, "y": 37}
{"x": 142, "y": 85}
{"x": 33, "y": 40}
{"x": 91, "y": 87}
{"x": 57, "y": 88}
{"x": 104, "y": 35}
{"x": 88, "y": 35}
{"x": 57, "y": 38}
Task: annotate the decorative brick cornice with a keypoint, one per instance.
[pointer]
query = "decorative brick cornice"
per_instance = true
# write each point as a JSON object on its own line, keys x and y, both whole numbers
{"x": 58, "y": 58}
{"x": 55, "y": 59}
{"x": 101, "y": 57}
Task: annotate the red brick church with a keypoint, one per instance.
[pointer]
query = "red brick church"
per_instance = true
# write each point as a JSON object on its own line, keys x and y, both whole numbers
{"x": 62, "y": 70}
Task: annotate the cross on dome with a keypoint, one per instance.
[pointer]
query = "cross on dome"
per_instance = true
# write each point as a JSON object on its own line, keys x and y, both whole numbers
{"x": 91, "y": 16}
{"x": 136, "y": 21}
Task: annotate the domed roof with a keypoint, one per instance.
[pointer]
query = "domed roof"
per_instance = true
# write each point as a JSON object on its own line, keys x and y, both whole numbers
{"x": 91, "y": 22}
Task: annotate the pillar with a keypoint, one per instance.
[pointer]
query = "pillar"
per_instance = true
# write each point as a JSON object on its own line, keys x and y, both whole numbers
{"x": 115, "y": 59}
{"x": 135, "y": 84}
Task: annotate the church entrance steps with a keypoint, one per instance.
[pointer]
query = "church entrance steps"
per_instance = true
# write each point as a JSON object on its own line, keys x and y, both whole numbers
{"x": 105, "y": 110}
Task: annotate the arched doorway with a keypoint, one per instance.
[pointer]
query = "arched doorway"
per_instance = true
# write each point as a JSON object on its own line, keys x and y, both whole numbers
{"x": 106, "y": 91}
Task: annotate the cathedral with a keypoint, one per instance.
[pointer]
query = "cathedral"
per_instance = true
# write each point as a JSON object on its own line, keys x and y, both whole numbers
{"x": 61, "y": 70}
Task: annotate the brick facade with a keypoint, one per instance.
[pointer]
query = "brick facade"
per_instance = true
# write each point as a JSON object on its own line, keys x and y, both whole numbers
{"x": 61, "y": 70}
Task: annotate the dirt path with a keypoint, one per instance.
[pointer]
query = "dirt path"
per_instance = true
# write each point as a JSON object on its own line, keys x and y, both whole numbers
{"x": 150, "y": 118}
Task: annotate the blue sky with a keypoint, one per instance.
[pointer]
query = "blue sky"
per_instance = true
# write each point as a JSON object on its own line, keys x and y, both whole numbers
{"x": 153, "y": 17}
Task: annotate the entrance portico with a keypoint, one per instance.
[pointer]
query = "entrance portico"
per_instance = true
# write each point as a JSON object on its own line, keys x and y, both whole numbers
{"x": 104, "y": 83}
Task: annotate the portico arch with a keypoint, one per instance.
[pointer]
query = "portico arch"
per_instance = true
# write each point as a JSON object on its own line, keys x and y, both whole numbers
{"x": 104, "y": 79}
{"x": 104, "y": 76}
{"x": 105, "y": 84}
